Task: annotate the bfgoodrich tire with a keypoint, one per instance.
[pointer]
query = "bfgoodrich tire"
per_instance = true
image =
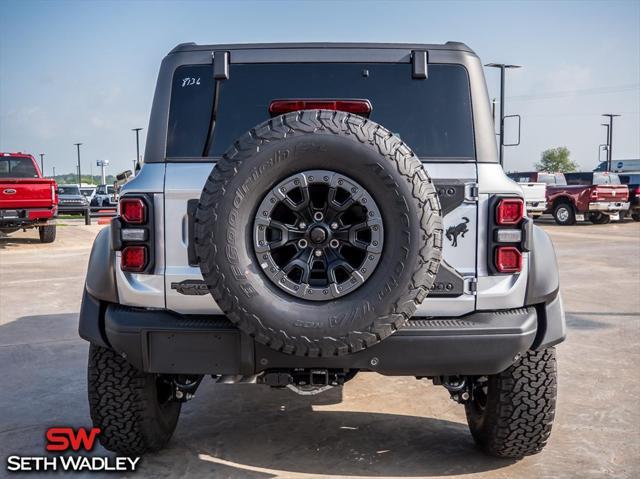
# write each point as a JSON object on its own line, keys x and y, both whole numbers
{"x": 511, "y": 413}
{"x": 133, "y": 410}
{"x": 330, "y": 148}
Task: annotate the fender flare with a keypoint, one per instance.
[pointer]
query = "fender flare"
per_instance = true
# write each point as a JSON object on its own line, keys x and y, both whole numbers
{"x": 100, "y": 290}
{"x": 101, "y": 279}
{"x": 543, "y": 290}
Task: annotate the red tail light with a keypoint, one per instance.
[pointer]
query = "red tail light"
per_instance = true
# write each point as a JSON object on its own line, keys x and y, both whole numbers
{"x": 637, "y": 190}
{"x": 508, "y": 259}
{"x": 133, "y": 210}
{"x": 358, "y": 107}
{"x": 133, "y": 259}
{"x": 509, "y": 211}
{"x": 594, "y": 194}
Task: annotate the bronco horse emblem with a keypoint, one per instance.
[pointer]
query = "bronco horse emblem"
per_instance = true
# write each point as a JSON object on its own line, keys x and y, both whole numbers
{"x": 458, "y": 230}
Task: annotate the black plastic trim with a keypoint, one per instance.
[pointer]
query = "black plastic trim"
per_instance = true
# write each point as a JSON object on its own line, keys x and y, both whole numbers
{"x": 543, "y": 282}
{"x": 450, "y": 193}
{"x": 192, "y": 257}
{"x": 165, "y": 342}
{"x": 101, "y": 279}
{"x": 91, "y": 320}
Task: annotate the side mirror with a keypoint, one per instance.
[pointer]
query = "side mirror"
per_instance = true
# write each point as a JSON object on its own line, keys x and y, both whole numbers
{"x": 511, "y": 122}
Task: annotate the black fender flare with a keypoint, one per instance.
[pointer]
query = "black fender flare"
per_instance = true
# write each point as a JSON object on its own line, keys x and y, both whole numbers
{"x": 101, "y": 279}
{"x": 100, "y": 290}
{"x": 543, "y": 290}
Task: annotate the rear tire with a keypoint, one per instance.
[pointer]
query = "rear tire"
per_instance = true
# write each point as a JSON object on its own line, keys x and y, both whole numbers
{"x": 47, "y": 233}
{"x": 133, "y": 409}
{"x": 635, "y": 216}
{"x": 512, "y": 412}
{"x": 599, "y": 218}
{"x": 564, "y": 214}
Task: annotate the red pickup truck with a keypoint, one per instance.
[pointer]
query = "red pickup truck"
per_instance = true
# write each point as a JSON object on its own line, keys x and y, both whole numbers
{"x": 595, "y": 195}
{"x": 27, "y": 200}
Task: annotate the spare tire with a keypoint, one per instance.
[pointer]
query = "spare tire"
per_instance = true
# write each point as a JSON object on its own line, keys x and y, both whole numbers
{"x": 318, "y": 233}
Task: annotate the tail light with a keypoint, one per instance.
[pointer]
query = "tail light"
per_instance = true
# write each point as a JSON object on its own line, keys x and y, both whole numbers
{"x": 508, "y": 235}
{"x": 509, "y": 211}
{"x": 508, "y": 259}
{"x": 133, "y": 210}
{"x": 133, "y": 258}
{"x": 637, "y": 190}
{"x": 358, "y": 107}
{"x": 132, "y": 233}
{"x": 594, "y": 194}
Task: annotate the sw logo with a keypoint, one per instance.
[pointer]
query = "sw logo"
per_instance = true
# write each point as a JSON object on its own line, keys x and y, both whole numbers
{"x": 458, "y": 230}
{"x": 68, "y": 439}
{"x": 65, "y": 438}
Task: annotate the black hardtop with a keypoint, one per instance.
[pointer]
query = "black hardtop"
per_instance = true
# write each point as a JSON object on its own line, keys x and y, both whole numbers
{"x": 192, "y": 47}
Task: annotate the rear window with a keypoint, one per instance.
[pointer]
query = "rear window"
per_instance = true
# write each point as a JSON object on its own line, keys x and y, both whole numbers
{"x": 552, "y": 179}
{"x": 68, "y": 190}
{"x": 595, "y": 178}
{"x": 432, "y": 116}
{"x": 630, "y": 179}
{"x": 17, "y": 167}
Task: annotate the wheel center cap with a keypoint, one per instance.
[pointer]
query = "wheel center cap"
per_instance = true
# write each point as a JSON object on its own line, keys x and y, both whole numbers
{"x": 318, "y": 235}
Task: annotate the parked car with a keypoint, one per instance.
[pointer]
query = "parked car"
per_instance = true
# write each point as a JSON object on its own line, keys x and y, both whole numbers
{"x": 88, "y": 192}
{"x": 27, "y": 200}
{"x": 104, "y": 197}
{"x": 632, "y": 180}
{"x": 71, "y": 200}
{"x": 608, "y": 197}
{"x": 535, "y": 194}
{"x": 349, "y": 214}
{"x": 593, "y": 197}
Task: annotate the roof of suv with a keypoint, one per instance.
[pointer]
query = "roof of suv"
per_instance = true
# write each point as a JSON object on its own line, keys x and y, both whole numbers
{"x": 190, "y": 47}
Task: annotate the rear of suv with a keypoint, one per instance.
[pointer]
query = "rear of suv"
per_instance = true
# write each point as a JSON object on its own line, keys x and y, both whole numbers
{"x": 310, "y": 211}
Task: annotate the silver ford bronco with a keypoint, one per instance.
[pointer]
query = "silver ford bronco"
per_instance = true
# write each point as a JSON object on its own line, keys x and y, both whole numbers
{"x": 309, "y": 211}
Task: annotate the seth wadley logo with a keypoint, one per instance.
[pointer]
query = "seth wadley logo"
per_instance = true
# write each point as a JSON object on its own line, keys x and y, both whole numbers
{"x": 66, "y": 439}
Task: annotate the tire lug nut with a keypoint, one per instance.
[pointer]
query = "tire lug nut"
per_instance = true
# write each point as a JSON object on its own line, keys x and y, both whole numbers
{"x": 334, "y": 226}
{"x": 318, "y": 252}
{"x": 302, "y": 225}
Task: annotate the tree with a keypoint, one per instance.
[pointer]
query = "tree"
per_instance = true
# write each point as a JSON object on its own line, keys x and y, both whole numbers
{"x": 556, "y": 160}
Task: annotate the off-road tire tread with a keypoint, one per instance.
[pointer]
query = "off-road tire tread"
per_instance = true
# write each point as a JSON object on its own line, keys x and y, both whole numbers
{"x": 120, "y": 405}
{"x": 368, "y": 133}
{"x": 521, "y": 407}
{"x": 47, "y": 233}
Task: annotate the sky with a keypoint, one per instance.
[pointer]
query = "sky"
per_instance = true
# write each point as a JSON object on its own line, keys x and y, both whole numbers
{"x": 85, "y": 71}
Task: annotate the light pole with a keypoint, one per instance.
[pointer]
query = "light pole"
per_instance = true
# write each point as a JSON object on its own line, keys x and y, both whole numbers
{"x": 611, "y": 116}
{"x": 137, "y": 130}
{"x": 502, "y": 67}
{"x": 42, "y": 163}
{"x": 79, "y": 171}
{"x": 606, "y": 145}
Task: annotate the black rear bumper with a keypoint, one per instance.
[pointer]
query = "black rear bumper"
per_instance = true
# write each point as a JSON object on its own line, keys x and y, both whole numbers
{"x": 164, "y": 342}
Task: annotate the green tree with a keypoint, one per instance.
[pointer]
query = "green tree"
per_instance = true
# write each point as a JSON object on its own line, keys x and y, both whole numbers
{"x": 556, "y": 160}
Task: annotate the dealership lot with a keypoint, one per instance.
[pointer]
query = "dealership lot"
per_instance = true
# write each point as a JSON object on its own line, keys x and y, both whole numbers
{"x": 376, "y": 426}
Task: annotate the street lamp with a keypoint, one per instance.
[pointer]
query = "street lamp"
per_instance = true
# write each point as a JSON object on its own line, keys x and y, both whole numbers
{"x": 611, "y": 116}
{"x": 79, "y": 172}
{"x": 502, "y": 67}
{"x": 137, "y": 130}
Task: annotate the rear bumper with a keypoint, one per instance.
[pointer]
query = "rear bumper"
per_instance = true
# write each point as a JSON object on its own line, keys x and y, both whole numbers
{"x": 608, "y": 206}
{"x": 163, "y": 342}
{"x": 536, "y": 207}
{"x": 25, "y": 217}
